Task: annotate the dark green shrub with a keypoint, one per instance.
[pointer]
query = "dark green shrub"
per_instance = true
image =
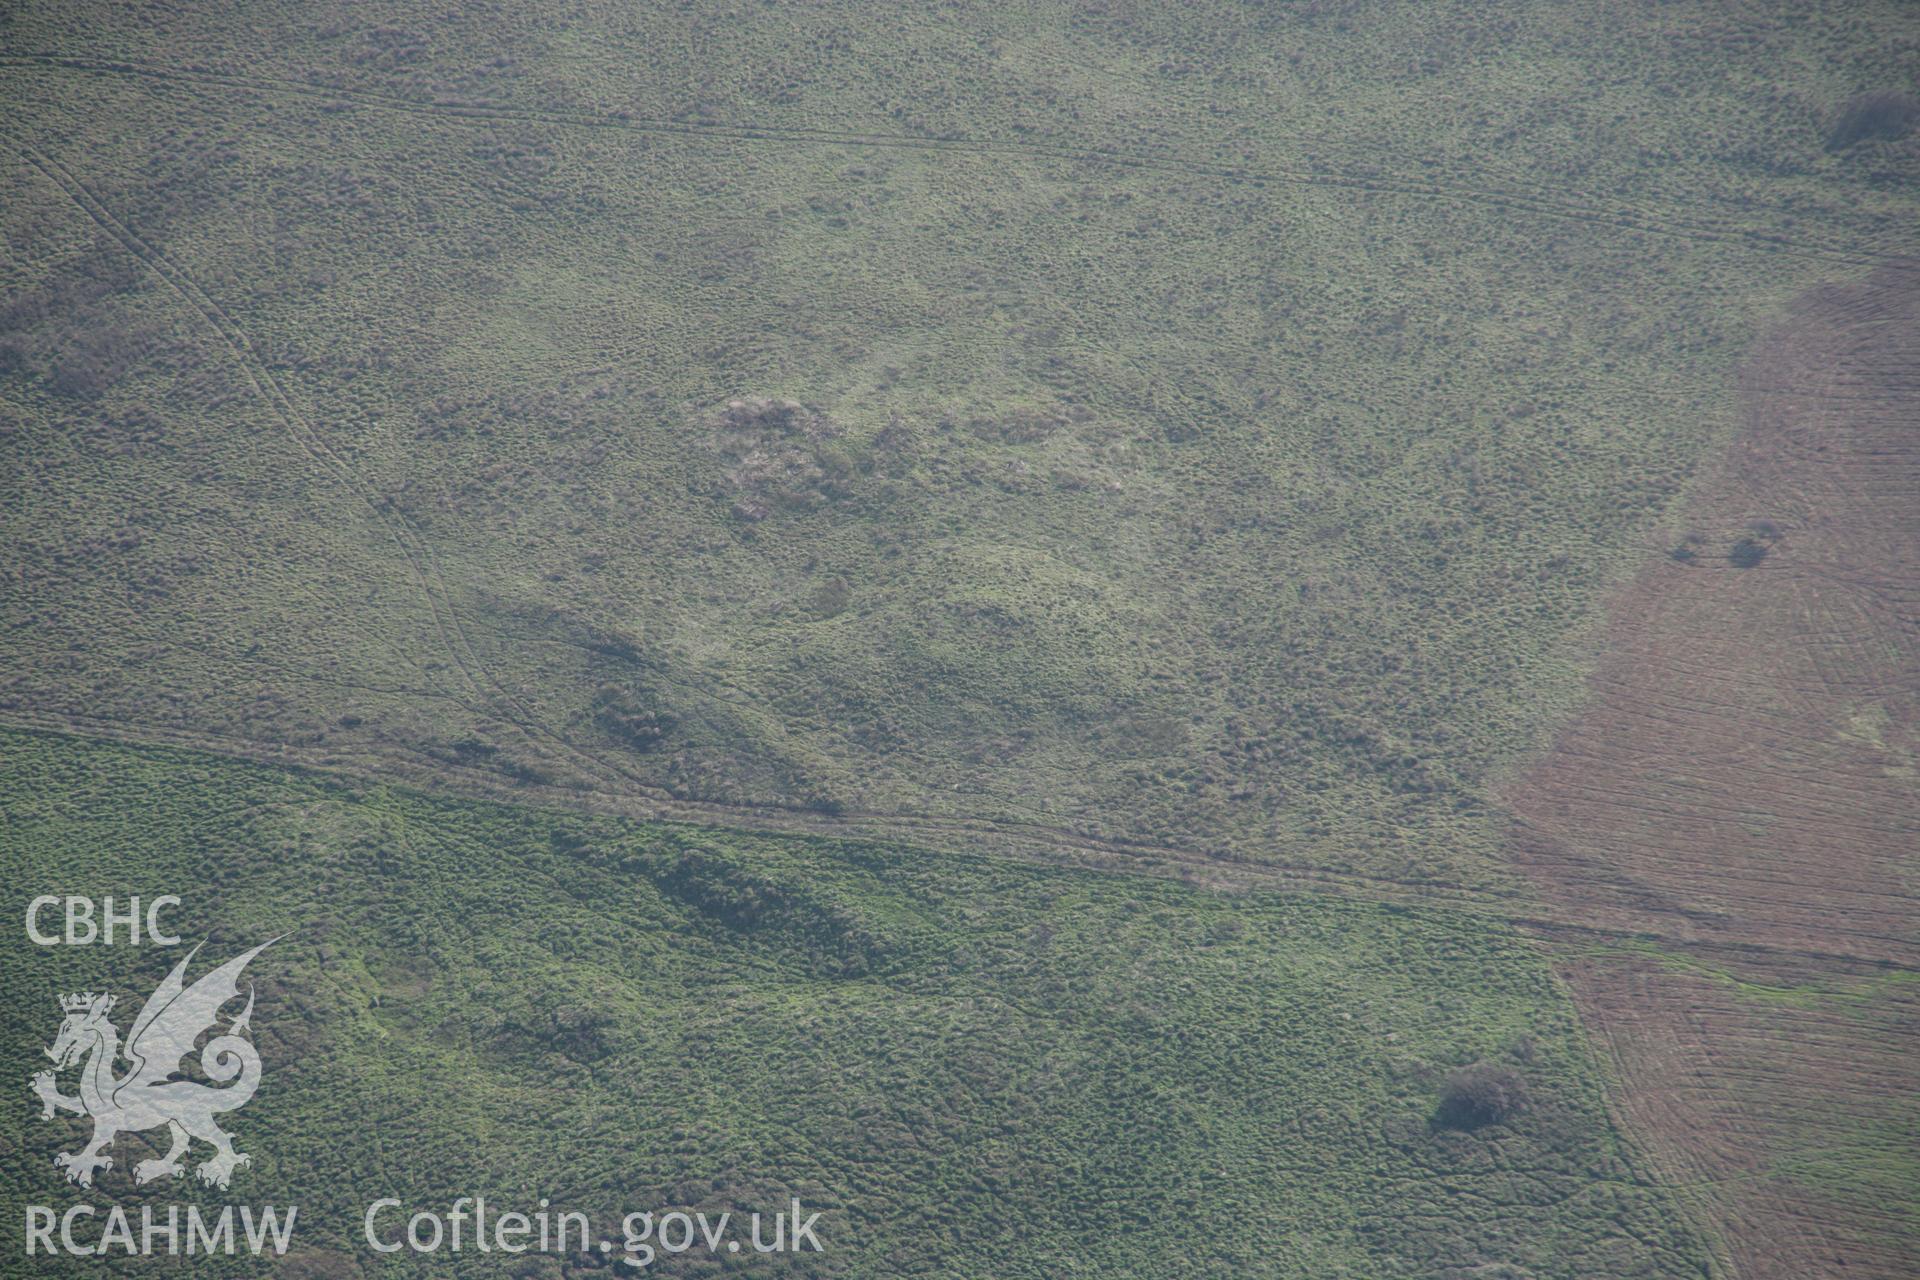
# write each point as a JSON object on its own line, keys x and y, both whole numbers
{"x": 1885, "y": 114}
{"x": 1484, "y": 1093}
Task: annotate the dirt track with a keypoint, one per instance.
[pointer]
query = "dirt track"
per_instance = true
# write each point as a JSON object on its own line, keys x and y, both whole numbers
{"x": 1745, "y": 777}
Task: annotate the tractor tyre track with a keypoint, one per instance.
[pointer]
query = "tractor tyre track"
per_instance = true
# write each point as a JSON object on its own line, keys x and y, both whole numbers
{"x": 422, "y": 563}
{"x": 1015, "y": 841}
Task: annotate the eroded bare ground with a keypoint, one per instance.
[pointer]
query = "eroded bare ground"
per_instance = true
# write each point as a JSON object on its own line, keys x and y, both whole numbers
{"x": 1743, "y": 784}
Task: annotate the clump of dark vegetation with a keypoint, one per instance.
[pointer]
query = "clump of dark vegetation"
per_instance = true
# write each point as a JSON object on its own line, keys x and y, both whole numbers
{"x": 1752, "y": 549}
{"x": 73, "y": 329}
{"x": 827, "y": 937}
{"x": 97, "y": 359}
{"x": 1482, "y": 1094}
{"x": 1688, "y": 548}
{"x": 621, "y": 715}
{"x": 577, "y": 1032}
{"x": 1884, "y": 115}
{"x": 1023, "y": 425}
{"x": 783, "y": 454}
{"x": 830, "y": 599}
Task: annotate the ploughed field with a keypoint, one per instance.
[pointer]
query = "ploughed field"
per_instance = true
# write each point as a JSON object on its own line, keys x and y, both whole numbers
{"x": 1743, "y": 783}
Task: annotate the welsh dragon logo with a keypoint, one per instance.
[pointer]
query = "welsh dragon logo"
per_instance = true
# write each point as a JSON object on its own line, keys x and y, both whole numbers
{"x": 150, "y": 1095}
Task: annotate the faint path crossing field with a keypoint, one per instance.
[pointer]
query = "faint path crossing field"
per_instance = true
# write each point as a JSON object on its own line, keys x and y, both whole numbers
{"x": 1522, "y": 197}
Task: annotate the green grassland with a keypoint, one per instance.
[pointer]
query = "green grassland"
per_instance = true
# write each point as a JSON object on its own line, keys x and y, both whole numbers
{"x": 1204, "y": 425}
{"x": 974, "y": 1067}
{"x": 1216, "y": 424}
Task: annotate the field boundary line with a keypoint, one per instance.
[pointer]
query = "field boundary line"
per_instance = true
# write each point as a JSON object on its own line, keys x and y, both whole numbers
{"x": 1019, "y": 843}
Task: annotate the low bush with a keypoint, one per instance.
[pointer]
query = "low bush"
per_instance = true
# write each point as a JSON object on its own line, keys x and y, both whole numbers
{"x": 1484, "y": 1093}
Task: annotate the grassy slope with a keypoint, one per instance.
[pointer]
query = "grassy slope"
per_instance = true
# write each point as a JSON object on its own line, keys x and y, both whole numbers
{"x": 1251, "y": 498}
{"x": 979, "y": 1068}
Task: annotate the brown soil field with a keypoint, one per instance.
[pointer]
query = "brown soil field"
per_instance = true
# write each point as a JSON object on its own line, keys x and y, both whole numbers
{"x": 1771, "y": 1096}
{"x": 1742, "y": 785}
